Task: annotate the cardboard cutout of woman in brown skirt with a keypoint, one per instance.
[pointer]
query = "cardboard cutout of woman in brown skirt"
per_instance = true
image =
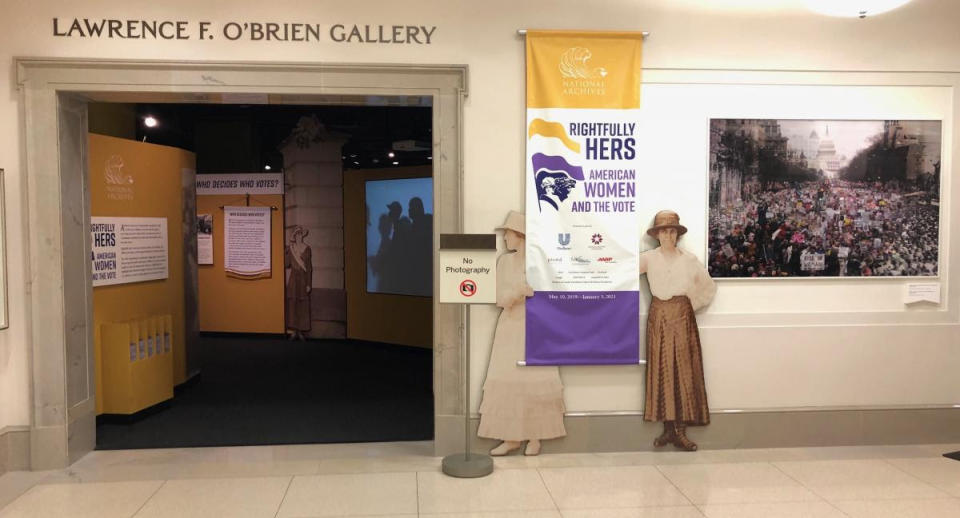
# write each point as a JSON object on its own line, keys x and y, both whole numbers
{"x": 680, "y": 285}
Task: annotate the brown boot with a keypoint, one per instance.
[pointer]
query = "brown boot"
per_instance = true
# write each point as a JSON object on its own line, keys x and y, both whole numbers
{"x": 680, "y": 439}
{"x": 667, "y": 436}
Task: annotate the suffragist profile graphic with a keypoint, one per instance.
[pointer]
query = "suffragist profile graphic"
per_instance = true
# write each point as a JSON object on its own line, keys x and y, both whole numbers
{"x": 554, "y": 179}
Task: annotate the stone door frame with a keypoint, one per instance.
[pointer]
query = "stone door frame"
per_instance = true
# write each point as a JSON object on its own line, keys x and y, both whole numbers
{"x": 54, "y": 93}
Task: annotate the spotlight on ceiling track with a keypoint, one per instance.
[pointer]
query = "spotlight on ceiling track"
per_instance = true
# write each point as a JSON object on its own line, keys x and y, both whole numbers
{"x": 267, "y": 167}
{"x": 853, "y": 8}
{"x": 391, "y": 154}
{"x": 150, "y": 121}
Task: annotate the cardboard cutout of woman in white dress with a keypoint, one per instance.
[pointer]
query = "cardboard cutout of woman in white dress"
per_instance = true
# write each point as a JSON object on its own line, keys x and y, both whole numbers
{"x": 519, "y": 403}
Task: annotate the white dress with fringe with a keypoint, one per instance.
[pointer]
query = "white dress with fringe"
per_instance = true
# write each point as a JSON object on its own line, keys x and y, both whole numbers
{"x": 519, "y": 403}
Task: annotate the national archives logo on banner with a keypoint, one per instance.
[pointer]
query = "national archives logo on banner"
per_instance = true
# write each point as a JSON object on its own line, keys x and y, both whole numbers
{"x": 583, "y": 97}
{"x": 119, "y": 183}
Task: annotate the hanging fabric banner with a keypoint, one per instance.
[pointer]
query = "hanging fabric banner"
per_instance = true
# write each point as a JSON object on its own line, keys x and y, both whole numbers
{"x": 246, "y": 242}
{"x": 583, "y": 237}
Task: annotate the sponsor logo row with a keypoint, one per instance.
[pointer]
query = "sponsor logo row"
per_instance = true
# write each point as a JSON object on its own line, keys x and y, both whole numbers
{"x": 564, "y": 240}
{"x": 579, "y": 259}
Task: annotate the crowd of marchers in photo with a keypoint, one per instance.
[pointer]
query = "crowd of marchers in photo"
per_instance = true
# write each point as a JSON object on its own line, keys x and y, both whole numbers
{"x": 861, "y": 228}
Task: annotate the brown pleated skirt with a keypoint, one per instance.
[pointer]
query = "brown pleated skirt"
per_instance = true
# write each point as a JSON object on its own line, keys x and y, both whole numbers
{"x": 675, "y": 387}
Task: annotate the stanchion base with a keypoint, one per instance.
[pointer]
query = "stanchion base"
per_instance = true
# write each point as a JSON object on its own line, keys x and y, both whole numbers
{"x": 471, "y": 465}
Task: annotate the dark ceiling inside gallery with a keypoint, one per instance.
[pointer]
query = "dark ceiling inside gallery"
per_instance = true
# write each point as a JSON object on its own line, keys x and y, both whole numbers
{"x": 246, "y": 138}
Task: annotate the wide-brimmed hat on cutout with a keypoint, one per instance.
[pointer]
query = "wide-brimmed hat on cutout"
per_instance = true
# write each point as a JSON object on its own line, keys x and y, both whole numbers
{"x": 299, "y": 230}
{"x": 515, "y": 221}
{"x": 666, "y": 219}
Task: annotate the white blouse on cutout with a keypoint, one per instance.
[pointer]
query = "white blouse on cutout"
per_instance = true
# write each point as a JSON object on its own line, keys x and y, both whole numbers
{"x": 681, "y": 275}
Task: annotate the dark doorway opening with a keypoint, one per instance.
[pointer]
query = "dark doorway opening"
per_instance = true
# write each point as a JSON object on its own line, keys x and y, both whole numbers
{"x": 337, "y": 384}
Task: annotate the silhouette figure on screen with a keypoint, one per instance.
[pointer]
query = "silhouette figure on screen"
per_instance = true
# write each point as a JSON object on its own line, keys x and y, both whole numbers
{"x": 675, "y": 393}
{"x": 403, "y": 262}
{"x": 421, "y": 235}
{"x": 298, "y": 258}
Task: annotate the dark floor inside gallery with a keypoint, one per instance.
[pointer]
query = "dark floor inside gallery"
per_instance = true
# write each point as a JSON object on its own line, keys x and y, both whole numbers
{"x": 260, "y": 390}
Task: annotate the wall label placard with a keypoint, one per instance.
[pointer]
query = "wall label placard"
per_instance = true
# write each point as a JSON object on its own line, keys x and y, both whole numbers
{"x": 467, "y": 269}
{"x": 204, "y": 238}
{"x": 126, "y": 250}
{"x": 143, "y": 29}
{"x": 922, "y": 292}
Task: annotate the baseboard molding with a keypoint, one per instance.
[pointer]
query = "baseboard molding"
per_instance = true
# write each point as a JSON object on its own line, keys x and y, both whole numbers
{"x": 14, "y": 449}
{"x": 735, "y": 430}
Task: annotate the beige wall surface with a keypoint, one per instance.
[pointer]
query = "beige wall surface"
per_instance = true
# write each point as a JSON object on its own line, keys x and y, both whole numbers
{"x": 726, "y": 34}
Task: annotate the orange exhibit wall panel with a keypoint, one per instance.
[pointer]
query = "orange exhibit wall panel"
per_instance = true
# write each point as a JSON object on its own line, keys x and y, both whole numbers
{"x": 234, "y": 305}
{"x": 136, "y": 179}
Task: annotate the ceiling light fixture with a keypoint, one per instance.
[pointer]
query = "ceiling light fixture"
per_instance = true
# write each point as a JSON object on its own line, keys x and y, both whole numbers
{"x": 266, "y": 167}
{"x": 150, "y": 122}
{"x": 853, "y": 8}
{"x": 390, "y": 154}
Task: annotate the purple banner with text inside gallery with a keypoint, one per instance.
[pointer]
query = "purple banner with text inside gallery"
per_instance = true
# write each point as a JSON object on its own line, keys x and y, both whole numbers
{"x": 583, "y": 237}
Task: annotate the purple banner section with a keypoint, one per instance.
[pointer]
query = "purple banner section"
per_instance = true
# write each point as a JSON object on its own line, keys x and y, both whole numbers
{"x": 583, "y": 328}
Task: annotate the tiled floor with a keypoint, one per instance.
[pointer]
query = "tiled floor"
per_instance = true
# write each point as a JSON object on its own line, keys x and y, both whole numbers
{"x": 403, "y": 479}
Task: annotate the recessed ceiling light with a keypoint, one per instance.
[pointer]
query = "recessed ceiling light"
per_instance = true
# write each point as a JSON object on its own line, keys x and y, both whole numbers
{"x": 396, "y": 163}
{"x": 390, "y": 154}
{"x": 266, "y": 167}
{"x": 150, "y": 122}
{"x": 853, "y": 8}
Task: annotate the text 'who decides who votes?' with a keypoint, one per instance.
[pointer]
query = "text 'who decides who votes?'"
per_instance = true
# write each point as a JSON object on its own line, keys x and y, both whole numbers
{"x": 139, "y": 29}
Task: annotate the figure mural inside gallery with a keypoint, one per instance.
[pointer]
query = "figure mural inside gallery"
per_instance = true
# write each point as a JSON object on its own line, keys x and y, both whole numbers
{"x": 298, "y": 259}
{"x": 675, "y": 391}
{"x": 519, "y": 403}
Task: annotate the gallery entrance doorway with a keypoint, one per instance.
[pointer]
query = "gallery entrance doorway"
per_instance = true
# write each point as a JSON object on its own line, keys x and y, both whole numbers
{"x": 55, "y": 96}
{"x": 323, "y": 341}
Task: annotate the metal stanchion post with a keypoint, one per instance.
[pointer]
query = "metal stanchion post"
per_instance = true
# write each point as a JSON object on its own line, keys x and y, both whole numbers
{"x": 467, "y": 271}
{"x": 467, "y": 464}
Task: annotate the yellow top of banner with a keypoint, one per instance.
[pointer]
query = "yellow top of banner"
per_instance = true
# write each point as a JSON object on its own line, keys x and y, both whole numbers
{"x": 582, "y": 69}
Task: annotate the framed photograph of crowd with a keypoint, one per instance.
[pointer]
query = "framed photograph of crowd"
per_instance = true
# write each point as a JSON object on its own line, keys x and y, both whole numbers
{"x": 824, "y": 198}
